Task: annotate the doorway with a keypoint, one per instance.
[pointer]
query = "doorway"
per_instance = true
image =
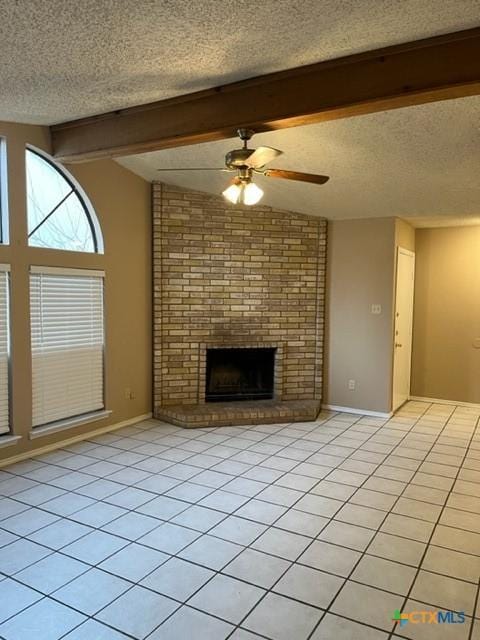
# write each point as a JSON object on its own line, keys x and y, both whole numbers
{"x": 402, "y": 345}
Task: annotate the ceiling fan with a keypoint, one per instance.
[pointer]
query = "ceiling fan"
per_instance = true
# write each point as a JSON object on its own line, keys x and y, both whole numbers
{"x": 247, "y": 162}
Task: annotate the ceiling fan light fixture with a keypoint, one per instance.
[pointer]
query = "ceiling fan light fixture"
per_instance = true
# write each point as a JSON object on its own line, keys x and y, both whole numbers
{"x": 232, "y": 193}
{"x": 245, "y": 162}
{"x": 243, "y": 192}
{"x": 251, "y": 194}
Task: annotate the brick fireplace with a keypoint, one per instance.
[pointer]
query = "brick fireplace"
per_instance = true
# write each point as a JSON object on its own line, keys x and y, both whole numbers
{"x": 240, "y": 279}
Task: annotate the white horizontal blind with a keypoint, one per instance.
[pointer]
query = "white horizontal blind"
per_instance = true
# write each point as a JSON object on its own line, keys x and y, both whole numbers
{"x": 66, "y": 310}
{"x": 4, "y": 350}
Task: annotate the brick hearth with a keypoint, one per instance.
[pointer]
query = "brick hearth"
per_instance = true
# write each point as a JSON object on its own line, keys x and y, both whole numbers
{"x": 226, "y": 414}
{"x": 227, "y": 276}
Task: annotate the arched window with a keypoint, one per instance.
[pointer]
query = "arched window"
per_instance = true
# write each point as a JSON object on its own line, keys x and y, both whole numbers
{"x": 60, "y": 215}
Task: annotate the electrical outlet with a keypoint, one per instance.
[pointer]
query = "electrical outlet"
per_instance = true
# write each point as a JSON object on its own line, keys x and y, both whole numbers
{"x": 351, "y": 385}
{"x": 128, "y": 393}
{"x": 376, "y": 309}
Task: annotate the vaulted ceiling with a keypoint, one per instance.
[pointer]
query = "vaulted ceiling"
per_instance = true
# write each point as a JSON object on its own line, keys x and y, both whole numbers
{"x": 64, "y": 60}
{"x": 417, "y": 162}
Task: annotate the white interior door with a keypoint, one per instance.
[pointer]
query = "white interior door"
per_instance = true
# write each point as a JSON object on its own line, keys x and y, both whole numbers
{"x": 402, "y": 350}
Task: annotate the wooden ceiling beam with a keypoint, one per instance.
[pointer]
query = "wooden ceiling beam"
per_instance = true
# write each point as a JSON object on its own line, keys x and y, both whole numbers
{"x": 438, "y": 68}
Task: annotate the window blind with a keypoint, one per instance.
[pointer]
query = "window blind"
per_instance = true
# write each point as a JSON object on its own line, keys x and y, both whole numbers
{"x": 67, "y": 333}
{"x": 4, "y": 350}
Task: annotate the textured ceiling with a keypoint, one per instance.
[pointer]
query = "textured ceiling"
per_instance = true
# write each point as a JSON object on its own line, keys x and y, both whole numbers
{"x": 419, "y": 161}
{"x": 64, "y": 60}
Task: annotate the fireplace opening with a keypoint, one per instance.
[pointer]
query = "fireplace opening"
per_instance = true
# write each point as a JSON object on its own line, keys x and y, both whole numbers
{"x": 239, "y": 374}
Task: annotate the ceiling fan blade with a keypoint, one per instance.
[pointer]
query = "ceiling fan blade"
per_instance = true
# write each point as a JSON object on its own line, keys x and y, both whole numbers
{"x": 195, "y": 169}
{"x": 262, "y": 156}
{"x": 296, "y": 175}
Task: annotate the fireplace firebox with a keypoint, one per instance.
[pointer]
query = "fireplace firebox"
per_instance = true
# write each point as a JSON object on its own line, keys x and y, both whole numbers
{"x": 239, "y": 374}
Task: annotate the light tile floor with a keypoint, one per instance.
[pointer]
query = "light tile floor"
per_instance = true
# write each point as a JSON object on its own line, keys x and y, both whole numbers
{"x": 318, "y": 530}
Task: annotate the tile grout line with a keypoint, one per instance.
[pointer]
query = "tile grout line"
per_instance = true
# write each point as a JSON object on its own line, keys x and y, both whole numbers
{"x": 286, "y": 446}
{"x": 330, "y": 520}
{"x": 338, "y": 435}
{"x": 286, "y": 472}
{"x": 407, "y": 596}
{"x": 219, "y": 571}
{"x": 405, "y": 435}
{"x": 287, "y": 425}
{"x": 364, "y": 552}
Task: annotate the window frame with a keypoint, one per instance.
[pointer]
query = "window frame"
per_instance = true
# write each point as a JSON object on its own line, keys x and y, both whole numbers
{"x": 6, "y": 268}
{"x": 4, "y": 214}
{"x": 77, "y": 190}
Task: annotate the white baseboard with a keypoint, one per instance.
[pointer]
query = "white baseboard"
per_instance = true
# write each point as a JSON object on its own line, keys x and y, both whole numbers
{"x": 63, "y": 443}
{"x": 360, "y": 412}
{"x": 457, "y": 403}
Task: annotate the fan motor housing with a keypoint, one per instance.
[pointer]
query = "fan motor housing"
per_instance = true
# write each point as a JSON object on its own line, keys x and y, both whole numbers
{"x": 237, "y": 157}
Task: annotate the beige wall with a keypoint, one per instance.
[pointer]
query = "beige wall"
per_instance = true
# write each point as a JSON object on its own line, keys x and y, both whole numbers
{"x": 360, "y": 272}
{"x": 446, "y": 360}
{"x": 123, "y": 205}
